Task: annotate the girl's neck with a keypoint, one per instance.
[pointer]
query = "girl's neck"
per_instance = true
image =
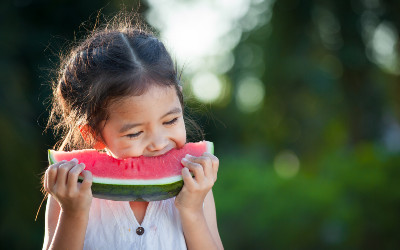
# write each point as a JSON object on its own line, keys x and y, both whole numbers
{"x": 139, "y": 209}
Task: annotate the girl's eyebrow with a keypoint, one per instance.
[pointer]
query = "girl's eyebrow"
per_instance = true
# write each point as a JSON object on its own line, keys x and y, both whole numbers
{"x": 175, "y": 110}
{"x": 129, "y": 126}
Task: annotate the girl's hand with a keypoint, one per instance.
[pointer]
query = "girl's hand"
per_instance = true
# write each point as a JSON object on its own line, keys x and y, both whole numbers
{"x": 195, "y": 189}
{"x": 61, "y": 181}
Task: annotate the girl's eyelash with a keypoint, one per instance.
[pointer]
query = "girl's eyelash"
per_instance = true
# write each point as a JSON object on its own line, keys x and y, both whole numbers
{"x": 134, "y": 135}
{"x": 171, "y": 122}
{"x": 139, "y": 133}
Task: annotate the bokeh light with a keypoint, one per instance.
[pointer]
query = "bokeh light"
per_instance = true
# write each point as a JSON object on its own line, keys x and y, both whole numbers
{"x": 384, "y": 47}
{"x": 328, "y": 27}
{"x": 286, "y": 164}
{"x": 206, "y": 87}
{"x": 250, "y": 94}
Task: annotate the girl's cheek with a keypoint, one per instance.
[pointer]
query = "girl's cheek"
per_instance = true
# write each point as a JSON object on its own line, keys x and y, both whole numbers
{"x": 180, "y": 135}
{"x": 128, "y": 149}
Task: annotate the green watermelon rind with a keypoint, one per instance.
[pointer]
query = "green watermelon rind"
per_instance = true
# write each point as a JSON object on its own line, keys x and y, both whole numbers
{"x": 136, "y": 192}
{"x": 120, "y": 192}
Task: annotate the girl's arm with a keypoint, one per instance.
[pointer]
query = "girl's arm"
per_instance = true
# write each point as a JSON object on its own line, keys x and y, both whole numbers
{"x": 199, "y": 221}
{"x": 211, "y": 218}
{"x": 200, "y": 229}
{"x": 51, "y": 220}
{"x": 67, "y": 210}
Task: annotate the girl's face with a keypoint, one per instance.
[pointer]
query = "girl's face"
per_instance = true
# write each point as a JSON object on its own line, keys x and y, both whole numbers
{"x": 150, "y": 124}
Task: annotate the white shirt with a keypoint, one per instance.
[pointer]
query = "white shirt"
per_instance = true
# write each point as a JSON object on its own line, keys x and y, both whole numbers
{"x": 112, "y": 225}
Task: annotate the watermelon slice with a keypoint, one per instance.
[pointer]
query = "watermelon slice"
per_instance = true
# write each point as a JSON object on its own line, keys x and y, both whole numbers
{"x": 138, "y": 178}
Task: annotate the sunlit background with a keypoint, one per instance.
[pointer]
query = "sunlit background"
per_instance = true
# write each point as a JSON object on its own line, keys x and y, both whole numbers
{"x": 301, "y": 98}
{"x": 202, "y": 35}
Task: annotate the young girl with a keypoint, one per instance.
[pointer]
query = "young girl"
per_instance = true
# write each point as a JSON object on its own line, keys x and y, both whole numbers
{"x": 118, "y": 91}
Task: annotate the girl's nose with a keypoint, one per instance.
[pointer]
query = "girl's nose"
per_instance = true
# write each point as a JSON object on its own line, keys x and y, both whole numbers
{"x": 158, "y": 143}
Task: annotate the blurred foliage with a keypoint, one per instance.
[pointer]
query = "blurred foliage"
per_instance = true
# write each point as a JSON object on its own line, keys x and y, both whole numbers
{"x": 325, "y": 101}
{"x": 346, "y": 204}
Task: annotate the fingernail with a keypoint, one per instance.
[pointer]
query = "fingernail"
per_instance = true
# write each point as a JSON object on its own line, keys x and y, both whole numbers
{"x": 184, "y": 160}
{"x": 188, "y": 156}
{"x": 75, "y": 160}
{"x": 185, "y": 170}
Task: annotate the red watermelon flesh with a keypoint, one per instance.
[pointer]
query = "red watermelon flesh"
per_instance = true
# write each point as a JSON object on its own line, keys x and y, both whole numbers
{"x": 144, "y": 168}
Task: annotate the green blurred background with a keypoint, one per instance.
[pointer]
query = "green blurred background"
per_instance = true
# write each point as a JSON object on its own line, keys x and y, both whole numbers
{"x": 305, "y": 118}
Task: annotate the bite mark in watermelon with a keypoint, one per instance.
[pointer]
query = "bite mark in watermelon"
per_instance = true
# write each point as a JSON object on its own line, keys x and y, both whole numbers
{"x": 138, "y": 178}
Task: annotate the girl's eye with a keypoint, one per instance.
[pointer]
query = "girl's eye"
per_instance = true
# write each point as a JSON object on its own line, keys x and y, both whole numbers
{"x": 134, "y": 135}
{"x": 171, "y": 122}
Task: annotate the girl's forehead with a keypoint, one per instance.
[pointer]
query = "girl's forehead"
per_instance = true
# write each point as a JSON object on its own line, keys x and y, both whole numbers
{"x": 155, "y": 99}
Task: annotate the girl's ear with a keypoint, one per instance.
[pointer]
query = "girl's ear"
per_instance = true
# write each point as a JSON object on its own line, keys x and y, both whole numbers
{"x": 88, "y": 135}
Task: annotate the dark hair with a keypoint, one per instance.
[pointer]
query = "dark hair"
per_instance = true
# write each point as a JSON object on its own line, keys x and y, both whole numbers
{"x": 112, "y": 62}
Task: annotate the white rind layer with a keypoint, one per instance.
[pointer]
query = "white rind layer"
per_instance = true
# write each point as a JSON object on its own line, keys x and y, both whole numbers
{"x": 162, "y": 181}
{"x": 210, "y": 147}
